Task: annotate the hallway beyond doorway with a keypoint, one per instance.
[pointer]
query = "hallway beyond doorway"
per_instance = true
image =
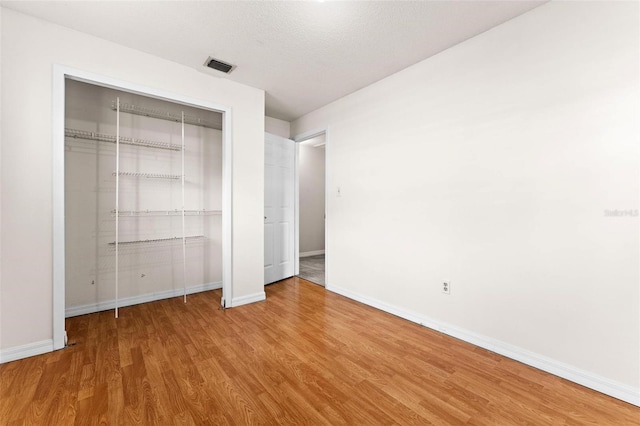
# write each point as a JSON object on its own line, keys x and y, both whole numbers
{"x": 312, "y": 269}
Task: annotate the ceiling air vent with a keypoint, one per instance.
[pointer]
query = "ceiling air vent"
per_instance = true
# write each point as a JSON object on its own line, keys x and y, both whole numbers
{"x": 218, "y": 65}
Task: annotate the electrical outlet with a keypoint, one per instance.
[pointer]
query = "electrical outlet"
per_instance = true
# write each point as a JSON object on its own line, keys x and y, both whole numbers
{"x": 446, "y": 287}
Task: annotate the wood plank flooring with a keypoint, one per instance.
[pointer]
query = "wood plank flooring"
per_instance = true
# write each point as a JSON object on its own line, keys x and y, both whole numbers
{"x": 305, "y": 356}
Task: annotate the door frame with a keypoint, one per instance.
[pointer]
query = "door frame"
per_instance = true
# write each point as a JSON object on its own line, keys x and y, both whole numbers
{"x": 60, "y": 74}
{"x": 305, "y": 136}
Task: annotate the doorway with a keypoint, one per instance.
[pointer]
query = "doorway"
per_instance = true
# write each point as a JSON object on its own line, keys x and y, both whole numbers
{"x": 311, "y": 176}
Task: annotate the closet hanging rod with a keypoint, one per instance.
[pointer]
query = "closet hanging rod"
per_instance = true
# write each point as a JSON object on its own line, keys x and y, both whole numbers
{"x": 101, "y": 137}
{"x": 166, "y": 212}
{"x": 158, "y": 240}
{"x": 165, "y": 115}
{"x": 147, "y": 175}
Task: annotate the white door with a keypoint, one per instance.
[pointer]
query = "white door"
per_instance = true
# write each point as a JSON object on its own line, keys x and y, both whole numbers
{"x": 279, "y": 179}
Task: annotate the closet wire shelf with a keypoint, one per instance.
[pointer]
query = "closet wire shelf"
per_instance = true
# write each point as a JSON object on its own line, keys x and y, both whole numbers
{"x": 102, "y": 137}
{"x": 163, "y": 115}
{"x": 158, "y": 240}
{"x": 136, "y": 213}
{"x": 147, "y": 175}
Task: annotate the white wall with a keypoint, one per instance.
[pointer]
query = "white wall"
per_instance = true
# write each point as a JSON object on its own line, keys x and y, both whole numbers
{"x": 30, "y": 47}
{"x": 277, "y": 127}
{"x": 491, "y": 165}
{"x": 311, "y": 173}
{"x": 1, "y": 161}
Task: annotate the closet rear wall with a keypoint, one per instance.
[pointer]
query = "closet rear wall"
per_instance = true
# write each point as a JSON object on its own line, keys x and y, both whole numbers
{"x": 147, "y": 271}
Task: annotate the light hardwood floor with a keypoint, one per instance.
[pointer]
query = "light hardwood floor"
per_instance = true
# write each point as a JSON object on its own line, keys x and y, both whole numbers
{"x": 304, "y": 356}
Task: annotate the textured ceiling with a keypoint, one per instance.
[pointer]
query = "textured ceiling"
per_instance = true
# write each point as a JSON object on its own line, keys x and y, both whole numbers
{"x": 303, "y": 54}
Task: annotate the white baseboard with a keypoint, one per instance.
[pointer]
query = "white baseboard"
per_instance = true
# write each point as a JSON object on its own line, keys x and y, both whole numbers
{"x": 311, "y": 253}
{"x": 25, "y": 351}
{"x": 91, "y": 308}
{"x": 250, "y": 298}
{"x": 593, "y": 381}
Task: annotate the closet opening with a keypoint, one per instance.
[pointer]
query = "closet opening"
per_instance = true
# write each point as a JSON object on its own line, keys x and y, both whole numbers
{"x": 143, "y": 210}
